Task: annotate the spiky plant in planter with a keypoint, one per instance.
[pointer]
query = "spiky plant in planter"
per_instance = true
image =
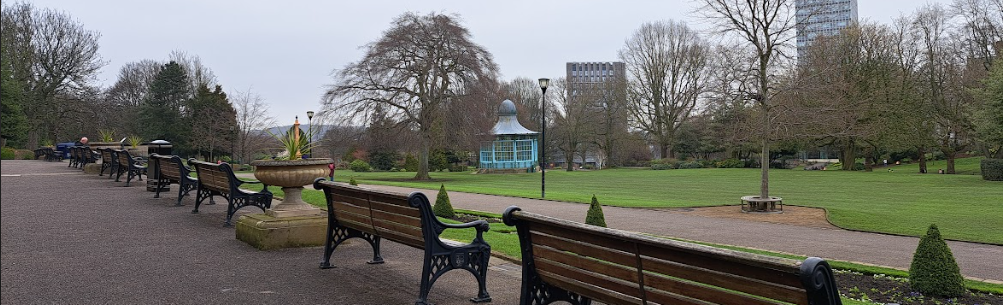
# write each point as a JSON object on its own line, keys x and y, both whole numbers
{"x": 933, "y": 270}
{"x": 442, "y": 207}
{"x": 595, "y": 216}
{"x": 352, "y": 181}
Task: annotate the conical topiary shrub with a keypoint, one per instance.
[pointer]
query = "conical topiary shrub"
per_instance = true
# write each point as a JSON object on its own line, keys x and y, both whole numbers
{"x": 595, "y": 216}
{"x": 442, "y": 207}
{"x": 933, "y": 270}
{"x": 352, "y": 181}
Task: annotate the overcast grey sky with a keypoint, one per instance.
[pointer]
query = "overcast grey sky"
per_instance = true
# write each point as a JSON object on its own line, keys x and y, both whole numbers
{"x": 285, "y": 51}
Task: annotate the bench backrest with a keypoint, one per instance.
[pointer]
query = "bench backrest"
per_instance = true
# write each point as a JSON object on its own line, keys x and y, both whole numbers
{"x": 169, "y": 166}
{"x": 106, "y": 155}
{"x": 124, "y": 158}
{"x": 620, "y": 267}
{"x": 386, "y": 214}
{"x": 212, "y": 176}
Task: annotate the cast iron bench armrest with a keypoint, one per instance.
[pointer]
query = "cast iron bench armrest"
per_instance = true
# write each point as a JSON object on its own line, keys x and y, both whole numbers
{"x": 480, "y": 225}
{"x": 242, "y": 181}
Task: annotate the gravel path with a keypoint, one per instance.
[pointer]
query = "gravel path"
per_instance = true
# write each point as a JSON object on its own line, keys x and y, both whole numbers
{"x": 71, "y": 238}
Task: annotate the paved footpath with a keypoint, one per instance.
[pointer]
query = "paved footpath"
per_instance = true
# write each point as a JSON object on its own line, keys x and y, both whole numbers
{"x": 74, "y": 238}
{"x": 976, "y": 260}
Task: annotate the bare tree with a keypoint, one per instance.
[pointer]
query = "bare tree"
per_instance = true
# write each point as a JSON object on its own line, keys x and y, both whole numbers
{"x": 611, "y": 123}
{"x": 125, "y": 96}
{"x": 666, "y": 67}
{"x": 51, "y": 55}
{"x": 252, "y": 120}
{"x": 847, "y": 94}
{"x": 982, "y": 27}
{"x": 573, "y": 118}
{"x": 768, "y": 25}
{"x": 420, "y": 64}
{"x": 942, "y": 87}
{"x": 198, "y": 74}
{"x": 728, "y": 108}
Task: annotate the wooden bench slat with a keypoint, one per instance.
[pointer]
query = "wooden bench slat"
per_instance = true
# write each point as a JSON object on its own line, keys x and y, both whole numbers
{"x": 353, "y": 200}
{"x": 559, "y": 230}
{"x": 398, "y": 218}
{"x": 656, "y": 297}
{"x": 570, "y": 259}
{"x": 708, "y": 261}
{"x": 727, "y": 280}
{"x": 580, "y": 248}
{"x": 364, "y": 225}
{"x": 406, "y": 239}
{"x": 395, "y": 208}
{"x": 589, "y": 289}
{"x": 342, "y": 208}
{"x": 398, "y": 228}
{"x": 666, "y": 286}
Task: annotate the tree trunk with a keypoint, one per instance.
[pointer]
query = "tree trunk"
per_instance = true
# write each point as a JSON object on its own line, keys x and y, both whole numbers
{"x": 849, "y": 157}
{"x": 569, "y": 161}
{"x": 663, "y": 149}
{"x": 764, "y": 157}
{"x": 423, "y": 159}
{"x": 922, "y": 159}
{"x": 869, "y": 160}
{"x": 950, "y": 161}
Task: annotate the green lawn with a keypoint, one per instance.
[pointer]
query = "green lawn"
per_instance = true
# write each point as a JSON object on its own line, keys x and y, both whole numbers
{"x": 964, "y": 206}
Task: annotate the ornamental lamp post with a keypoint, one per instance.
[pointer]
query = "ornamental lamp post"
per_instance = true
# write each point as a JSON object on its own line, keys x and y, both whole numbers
{"x": 543, "y": 138}
{"x": 309, "y": 133}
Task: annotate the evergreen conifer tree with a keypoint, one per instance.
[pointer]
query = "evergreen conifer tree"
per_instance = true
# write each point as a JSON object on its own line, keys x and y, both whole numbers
{"x": 595, "y": 216}
{"x": 161, "y": 111}
{"x": 933, "y": 270}
{"x": 442, "y": 206}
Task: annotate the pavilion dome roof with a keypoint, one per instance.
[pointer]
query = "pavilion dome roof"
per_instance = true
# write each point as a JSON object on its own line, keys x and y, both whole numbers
{"x": 508, "y": 123}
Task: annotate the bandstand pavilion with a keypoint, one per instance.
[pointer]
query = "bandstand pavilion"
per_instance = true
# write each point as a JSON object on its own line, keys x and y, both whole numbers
{"x": 514, "y": 146}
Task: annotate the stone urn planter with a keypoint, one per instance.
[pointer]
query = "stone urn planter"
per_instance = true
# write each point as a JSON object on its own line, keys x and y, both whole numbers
{"x": 292, "y": 176}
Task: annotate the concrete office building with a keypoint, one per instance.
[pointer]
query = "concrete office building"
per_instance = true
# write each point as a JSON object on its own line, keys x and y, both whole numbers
{"x": 601, "y": 86}
{"x": 816, "y": 18}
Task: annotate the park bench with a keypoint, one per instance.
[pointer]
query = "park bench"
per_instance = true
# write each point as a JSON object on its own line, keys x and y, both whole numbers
{"x": 219, "y": 180}
{"x": 408, "y": 219}
{"x": 39, "y": 152}
{"x": 80, "y": 156}
{"x": 107, "y": 160}
{"x": 126, "y": 164}
{"x": 577, "y": 263}
{"x": 171, "y": 169}
{"x": 74, "y": 159}
{"x": 51, "y": 154}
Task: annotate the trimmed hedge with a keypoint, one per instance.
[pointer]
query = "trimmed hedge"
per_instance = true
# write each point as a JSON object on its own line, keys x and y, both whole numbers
{"x": 992, "y": 169}
{"x": 595, "y": 215}
{"x": 933, "y": 270}
{"x": 7, "y": 154}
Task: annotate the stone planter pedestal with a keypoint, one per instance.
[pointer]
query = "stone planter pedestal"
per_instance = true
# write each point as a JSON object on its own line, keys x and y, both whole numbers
{"x": 292, "y": 222}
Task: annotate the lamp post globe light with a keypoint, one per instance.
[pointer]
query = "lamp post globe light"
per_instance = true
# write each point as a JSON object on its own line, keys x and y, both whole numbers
{"x": 544, "y": 82}
{"x": 309, "y": 132}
